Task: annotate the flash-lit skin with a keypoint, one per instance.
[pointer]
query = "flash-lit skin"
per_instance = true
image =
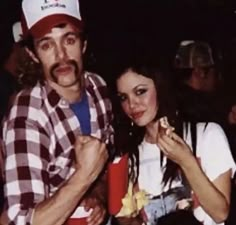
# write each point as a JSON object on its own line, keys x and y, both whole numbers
{"x": 232, "y": 115}
{"x": 59, "y": 47}
{"x": 204, "y": 80}
{"x": 138, "y": 97}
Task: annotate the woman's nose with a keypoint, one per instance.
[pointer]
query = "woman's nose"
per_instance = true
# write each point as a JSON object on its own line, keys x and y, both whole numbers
{"x": 133, "y": 103}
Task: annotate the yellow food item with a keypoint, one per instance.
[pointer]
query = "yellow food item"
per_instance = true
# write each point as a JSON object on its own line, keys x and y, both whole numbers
{"x": 141, "y": 199}
{"x": 133, "y": 202}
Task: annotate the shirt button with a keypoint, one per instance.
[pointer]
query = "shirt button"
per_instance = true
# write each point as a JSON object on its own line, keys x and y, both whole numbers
{"x": 63, "y": 102}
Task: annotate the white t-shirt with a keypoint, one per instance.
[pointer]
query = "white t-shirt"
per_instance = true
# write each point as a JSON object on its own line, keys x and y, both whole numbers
{"x": 214, "y": 155}
{"x": 151, "y": 171}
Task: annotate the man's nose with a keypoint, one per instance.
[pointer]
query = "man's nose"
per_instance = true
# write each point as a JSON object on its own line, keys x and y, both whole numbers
{"x": 61, "y": 52}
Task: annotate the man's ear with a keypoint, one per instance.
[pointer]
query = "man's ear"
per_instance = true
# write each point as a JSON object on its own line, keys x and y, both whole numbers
{"x": 32, "y": 55}
{"x": 84, "y": 46}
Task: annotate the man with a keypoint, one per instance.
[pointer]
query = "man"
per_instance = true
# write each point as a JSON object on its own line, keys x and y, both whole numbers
{"x": 54, "y": 136}
{"x": 200, "y": 82}
{"x": 8, "y": 70}
{"x": 203, "y": 73}
{"x": 8, "y": 83}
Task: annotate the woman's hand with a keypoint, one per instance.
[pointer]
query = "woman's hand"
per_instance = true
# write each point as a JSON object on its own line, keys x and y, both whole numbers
{"x": 175, "y": 148}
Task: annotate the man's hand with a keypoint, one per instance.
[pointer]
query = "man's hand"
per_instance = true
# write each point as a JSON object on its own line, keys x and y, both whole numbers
{"x": 91, "y": 156}
{"x": 99, "y": 212}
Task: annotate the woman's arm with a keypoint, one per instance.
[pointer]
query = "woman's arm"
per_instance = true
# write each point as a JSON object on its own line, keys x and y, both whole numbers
{"x": 213, "y": 196}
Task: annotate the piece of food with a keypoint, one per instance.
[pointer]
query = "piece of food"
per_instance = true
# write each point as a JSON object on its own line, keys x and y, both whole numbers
{"x": 165, "y": 127}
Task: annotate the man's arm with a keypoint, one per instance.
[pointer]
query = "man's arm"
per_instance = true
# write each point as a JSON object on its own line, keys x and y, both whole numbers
{"x": 91, "y": 156}
{"x": 96, "y": 199}
{"x": 27, "y": 178}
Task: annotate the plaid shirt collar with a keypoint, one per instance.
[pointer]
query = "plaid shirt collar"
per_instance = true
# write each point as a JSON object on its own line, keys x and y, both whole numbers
{"x": 101, "y": 126}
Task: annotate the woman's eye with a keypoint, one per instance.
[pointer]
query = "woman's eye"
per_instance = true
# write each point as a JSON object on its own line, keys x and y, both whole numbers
{"x": 122, "y": 98}
{"x": 141, "y": 91}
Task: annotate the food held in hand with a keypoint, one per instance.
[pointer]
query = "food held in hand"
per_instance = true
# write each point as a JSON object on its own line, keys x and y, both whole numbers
{"x": 165, "y": 127}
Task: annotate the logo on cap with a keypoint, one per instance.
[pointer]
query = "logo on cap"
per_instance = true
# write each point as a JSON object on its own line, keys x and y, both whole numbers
{"x": 48, "y": 5}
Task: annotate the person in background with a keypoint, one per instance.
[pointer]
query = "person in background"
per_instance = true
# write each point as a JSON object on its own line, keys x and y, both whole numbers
{"x": 202, "y": 95}
{"x": 9, "y": 73}
{"x": 10, "y": 53}
{"x": 201, "y": 86}
{"x": 199, "y": 81}
{"x": 58, "y": 131}
{"x": 171, "y": 158}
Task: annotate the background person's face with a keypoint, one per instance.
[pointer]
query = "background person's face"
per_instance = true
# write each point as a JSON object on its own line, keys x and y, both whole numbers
{"x": 138, "y": 97}
{"x": 60, "y": 53}
{"x": 212, "y": 80}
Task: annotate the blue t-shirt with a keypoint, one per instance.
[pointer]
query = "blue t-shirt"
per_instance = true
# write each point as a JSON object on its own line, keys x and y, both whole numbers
{"x": 81, "y": 110}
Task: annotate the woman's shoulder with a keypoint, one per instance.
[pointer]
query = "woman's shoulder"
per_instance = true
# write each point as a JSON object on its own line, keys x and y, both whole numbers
{"x": 210, "y": 128}
{"x": 208, "y": 125}
{"x": 213, "y": 150}
{"x": 204, "y": 130}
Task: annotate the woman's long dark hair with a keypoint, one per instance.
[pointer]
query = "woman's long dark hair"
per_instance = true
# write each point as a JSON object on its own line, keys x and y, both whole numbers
{"x": 127, "y": 137}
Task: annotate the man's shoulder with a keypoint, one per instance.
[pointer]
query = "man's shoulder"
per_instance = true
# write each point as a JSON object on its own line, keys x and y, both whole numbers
{"x": 31, "y": 97}
{"x": 26, "y": 104}
{"x": 94, "y": 78}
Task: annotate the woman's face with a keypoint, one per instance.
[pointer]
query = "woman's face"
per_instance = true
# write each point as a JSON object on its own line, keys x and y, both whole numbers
{"x": 138, "y": 97}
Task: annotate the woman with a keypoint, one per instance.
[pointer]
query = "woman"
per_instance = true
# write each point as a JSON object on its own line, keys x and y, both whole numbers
{"x": 167, "y": 165}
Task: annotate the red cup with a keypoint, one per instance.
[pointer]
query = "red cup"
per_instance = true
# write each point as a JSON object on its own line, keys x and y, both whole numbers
{"x": 79, "y": 216}
{"x": 77, "y": 221}
{"x": 117, "y": 184}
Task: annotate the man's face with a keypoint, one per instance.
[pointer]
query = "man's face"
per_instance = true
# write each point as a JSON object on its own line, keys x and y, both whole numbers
{"x": 212, "y": 79}
{"x": 60, "y": 53}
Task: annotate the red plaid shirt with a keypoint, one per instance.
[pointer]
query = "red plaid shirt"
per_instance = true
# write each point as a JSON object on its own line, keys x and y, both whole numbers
{"x": 38, "y": 138}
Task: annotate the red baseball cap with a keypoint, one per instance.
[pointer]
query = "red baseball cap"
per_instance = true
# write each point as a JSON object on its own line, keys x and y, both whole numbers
{"x": 40, "y": 16}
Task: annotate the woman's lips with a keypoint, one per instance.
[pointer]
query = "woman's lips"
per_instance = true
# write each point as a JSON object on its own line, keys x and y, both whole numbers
{"x": 137, "y": 115}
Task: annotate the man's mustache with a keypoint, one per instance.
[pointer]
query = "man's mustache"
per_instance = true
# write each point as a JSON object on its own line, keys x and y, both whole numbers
{"x": 57, "y": 65}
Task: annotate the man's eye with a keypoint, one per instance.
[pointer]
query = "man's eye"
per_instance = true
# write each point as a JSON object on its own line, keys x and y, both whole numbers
{"x": 140, "y": 91}
{"x": 45, "y": 46}
{"x": 70, "y": 40}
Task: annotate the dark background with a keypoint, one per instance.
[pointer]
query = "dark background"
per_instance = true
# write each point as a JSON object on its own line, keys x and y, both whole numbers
{"x": 116, "y": 26}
